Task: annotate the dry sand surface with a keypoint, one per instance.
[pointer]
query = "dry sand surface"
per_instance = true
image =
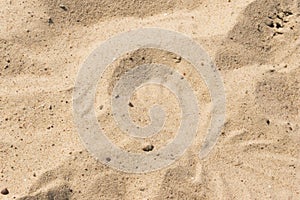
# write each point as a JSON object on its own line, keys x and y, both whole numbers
{"x": 255, "y": 45}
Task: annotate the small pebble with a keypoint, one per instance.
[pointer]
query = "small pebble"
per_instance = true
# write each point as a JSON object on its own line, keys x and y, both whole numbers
{"x": 177, "y": 59}
{"x": 269, "y": 23}
{"x": 287, "y": 13}
{"x": 149, "y": 147}
{"x": 63, "y": 7}
{"x": 279, "y": 24}
{"x": 50, "y": 21}
{"x": 5, "y": 191}
{"x": 280, "y": 15}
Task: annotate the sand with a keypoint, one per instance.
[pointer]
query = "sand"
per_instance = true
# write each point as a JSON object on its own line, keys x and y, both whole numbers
{"x": 255, "y": 46}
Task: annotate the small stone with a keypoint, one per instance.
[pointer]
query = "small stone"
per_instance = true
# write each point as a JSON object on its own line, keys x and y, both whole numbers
{"x": 288, "y": 13}
{"x": 50, "y": 21}
{"x": 281, "y": 15}
{"x": 130, "y": 105}
{"x": 177, "y": 59}
{"x": 5, "y": 191}
{"x": 269, "y": 23}
{"x": 279, "y": 24}
{"x": 63, "y": 7}
{"x": 149, "y": 147}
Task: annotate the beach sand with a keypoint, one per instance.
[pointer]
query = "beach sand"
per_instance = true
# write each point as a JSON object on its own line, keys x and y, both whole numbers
{"x": 255, "y": 45}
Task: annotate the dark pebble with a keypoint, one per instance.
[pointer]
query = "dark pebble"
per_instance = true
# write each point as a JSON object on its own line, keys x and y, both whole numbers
{"x": 149, "y": 147}
{"x": 63, "y": 7}
{"x": 5, "y": 191}
{"x": 50, "y": 21}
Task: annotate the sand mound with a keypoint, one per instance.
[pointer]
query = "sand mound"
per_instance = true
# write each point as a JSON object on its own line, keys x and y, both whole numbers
{"x": 265, "y": 29}
{"x": 92, "y": 11}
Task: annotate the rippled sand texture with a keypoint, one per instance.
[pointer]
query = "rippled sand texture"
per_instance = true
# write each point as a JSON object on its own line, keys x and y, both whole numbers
{"x": 256, "y": 48}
